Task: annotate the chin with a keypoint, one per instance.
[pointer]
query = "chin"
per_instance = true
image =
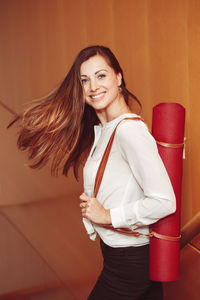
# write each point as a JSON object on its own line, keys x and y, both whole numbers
{"x": 97, "y": 105}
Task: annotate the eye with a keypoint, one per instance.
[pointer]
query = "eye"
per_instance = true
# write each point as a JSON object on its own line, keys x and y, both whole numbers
{"x": 84, "y": 80}
{"x": 101, "y": 76}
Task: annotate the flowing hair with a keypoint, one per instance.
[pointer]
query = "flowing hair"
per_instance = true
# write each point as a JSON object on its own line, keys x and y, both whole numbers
{"x": 59, "y": 127}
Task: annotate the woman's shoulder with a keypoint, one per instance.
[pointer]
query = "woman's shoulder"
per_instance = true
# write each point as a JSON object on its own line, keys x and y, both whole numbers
{"x": 132, "y": 123}
{"x": 134, "y": 132}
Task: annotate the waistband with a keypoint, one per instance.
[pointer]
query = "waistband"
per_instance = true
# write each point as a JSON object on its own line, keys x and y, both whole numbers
{"x": 122, "y": 250}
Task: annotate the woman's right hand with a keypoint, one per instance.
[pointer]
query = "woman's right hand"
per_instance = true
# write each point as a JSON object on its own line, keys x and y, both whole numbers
{"x": 93, "y": 210}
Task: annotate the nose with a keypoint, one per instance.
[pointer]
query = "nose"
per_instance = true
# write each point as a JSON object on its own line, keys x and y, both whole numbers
{"x": 93, "y": 85}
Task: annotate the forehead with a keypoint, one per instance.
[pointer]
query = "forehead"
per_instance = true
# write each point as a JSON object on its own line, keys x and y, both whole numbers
{"x": 94, "y": 64}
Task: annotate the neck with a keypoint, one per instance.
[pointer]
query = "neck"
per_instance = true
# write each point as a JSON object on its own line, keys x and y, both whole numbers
{"x": 108, "y": 115}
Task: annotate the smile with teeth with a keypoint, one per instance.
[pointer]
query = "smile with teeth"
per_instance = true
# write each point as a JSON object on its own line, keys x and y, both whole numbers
{"x": 98, "y": 96}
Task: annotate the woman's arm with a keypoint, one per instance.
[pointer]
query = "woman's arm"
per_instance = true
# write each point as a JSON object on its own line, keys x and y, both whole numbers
{"x": 139, "y": 149}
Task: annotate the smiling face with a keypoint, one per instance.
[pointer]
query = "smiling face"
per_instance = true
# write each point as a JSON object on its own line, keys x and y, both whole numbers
{"x": 100, "y": 83}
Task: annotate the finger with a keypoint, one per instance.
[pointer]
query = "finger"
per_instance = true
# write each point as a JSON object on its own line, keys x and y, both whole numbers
{"x": 84, "y": 197}
{"x": 84, "y": 215}
{"x": 84, "y": 212}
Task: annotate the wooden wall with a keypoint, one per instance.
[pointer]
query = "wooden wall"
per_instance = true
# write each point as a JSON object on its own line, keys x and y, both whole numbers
{"x": 157, "y": 43}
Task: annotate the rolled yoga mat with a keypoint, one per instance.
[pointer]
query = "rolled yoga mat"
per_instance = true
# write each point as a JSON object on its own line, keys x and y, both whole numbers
{"x": 168, "y": 128}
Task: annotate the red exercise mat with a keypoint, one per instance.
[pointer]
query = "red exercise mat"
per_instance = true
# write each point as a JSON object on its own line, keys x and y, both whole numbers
{"x": 168, "y": 126}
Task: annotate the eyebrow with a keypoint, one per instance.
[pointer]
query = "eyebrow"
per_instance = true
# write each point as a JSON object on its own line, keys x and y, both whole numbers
{"x": 96, "y": 72}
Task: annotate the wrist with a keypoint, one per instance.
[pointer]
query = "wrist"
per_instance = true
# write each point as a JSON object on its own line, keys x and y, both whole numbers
{"x": 108, "y": 217}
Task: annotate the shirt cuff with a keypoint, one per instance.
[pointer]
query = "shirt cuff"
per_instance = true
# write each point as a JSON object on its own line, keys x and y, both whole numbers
{"x": 88, "y": 226}
{"x": 93, "y": 236}
{"x": 117, "y": 217}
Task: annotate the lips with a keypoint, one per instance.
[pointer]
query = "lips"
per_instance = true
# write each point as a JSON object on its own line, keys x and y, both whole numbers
{"x": 97, "y": 96}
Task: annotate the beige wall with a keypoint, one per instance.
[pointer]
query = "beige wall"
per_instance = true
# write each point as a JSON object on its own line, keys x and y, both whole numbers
{"x": 157, "y": 43}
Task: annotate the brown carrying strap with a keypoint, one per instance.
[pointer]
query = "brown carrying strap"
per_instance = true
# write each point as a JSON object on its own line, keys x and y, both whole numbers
{"x": 97, "y": 184}
{"x": 104, "y": 159}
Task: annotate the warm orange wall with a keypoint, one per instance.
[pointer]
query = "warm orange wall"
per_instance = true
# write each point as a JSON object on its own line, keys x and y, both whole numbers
{"x": 156, "y": 41}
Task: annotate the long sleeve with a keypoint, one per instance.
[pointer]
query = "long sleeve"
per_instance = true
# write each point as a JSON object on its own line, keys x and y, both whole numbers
{"x": 90, "y": 229}
{"x": 139, "y": 149}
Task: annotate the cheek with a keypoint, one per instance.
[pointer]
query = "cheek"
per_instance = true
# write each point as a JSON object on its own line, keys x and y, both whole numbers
{"x": 114, "y": 87}
{"x": 85, "y": 95}
{"x": 84, "y": 91}
{"x": 86, "y": 88}
{"x": 113, "y": 83}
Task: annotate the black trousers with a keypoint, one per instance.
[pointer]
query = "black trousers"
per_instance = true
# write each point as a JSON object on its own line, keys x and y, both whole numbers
{"x": 125, "y": 275}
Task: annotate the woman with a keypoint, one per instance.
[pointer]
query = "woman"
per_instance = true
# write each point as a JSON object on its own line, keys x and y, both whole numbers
{"x": 135, "y": 191}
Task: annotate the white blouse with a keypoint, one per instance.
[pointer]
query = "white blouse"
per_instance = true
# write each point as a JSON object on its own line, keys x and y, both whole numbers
{"x": 135, "y": 186}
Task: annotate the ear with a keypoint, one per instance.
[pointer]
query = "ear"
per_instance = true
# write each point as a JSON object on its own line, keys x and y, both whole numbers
{"x": 119, "y": 79}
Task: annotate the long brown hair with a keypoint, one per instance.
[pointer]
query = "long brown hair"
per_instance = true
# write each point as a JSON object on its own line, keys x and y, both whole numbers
{"x": 59, "y": 128}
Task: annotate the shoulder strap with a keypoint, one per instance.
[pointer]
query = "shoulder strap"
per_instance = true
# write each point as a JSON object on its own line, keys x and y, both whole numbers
{"x": 104, "y": 159}
{"x": 98, "y": 180}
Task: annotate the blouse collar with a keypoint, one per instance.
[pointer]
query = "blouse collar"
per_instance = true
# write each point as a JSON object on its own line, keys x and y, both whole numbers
{"x": 113, "y": 122}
